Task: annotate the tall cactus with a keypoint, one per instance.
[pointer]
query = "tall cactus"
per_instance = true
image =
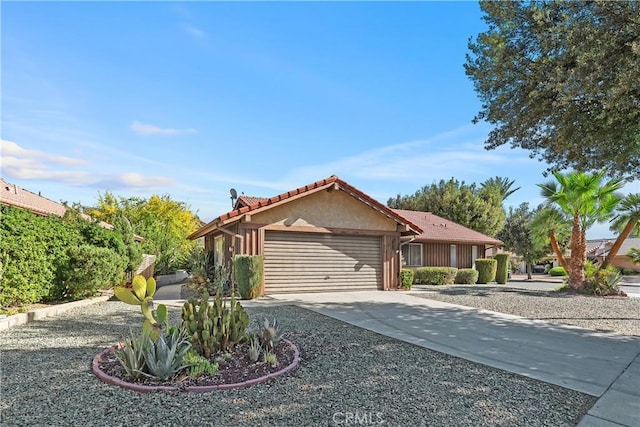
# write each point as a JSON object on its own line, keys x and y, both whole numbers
{"x": 142, "y": 294}
{"x": 214, "y": 327}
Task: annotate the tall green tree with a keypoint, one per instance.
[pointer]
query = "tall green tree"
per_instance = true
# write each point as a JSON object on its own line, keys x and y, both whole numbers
{"x": 549, "y": 226}
{"x": 561, "y": 79}
{"x": 628, "y": 213}
{"x": 518, "y": 238}
{"x": 163, "y": 222}
{"x": 587, "y": 199}
{"x": 458, "y": 202}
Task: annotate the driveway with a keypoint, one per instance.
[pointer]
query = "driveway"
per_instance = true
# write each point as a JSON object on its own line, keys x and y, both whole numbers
{"x": 578, "y": 359}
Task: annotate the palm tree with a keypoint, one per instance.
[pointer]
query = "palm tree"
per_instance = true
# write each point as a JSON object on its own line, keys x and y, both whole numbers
{"x": 628, "y": 214}
{"x": 588, "y": 199}
{"x": 502, "y": 185}
{"x": 550, "y": 226}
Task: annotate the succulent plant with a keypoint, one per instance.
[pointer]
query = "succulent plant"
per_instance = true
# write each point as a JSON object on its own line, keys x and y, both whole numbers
{"x": 270, "y": 334}
{"x": 254, "y": 350}
{"x": 199, "y": 364}
{"x": 271, "y": 359}
{"x": 131, "y": 356}
{"x": 142, "y": 294}
{"x": 164, "y": 356}
{"x": 214, "y": 327}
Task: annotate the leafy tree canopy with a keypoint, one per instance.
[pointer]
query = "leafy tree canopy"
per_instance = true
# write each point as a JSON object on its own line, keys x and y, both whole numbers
{"x": 478, "y": 209}
{"x": 561, "y": 79}
{"x": 518, "y": 237}
{"x": 164, "y": 223}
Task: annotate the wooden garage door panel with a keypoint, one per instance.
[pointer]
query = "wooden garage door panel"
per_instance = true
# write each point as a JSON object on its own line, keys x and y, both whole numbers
{"x": 307, "y": 262}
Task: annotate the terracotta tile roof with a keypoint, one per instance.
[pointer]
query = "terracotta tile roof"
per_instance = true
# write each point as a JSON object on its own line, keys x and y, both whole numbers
{"x": 12, "y": 195}
{"x": 248, "y": 201}
{"x": 438, "y": 229}
{"x": 264, "y": 203}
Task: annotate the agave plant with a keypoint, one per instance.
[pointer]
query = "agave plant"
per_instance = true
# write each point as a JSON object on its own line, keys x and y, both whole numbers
{"x": 164, "y": 356}
{"x": 131, "y": 357}
{"x": 254, "y": 350}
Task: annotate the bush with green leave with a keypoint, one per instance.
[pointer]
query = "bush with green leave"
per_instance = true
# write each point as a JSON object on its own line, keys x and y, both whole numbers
{"x": 502, "y": 267}
{"x": 487, "y": 269}
{"x": 466, "y": 276}
{"x": 89, "y": 269}
{"x": 407, "y": 276}
{"x": 435, "y": 275}
{"x": 557, "y": 271}
{"x": 248, "y": 270}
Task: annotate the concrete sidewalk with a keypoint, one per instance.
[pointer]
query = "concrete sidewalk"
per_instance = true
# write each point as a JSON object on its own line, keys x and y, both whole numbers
{"x": 600, "y": 364}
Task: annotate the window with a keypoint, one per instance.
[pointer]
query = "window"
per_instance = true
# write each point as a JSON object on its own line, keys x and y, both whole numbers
{"x": 412, "y": 254}
{"x": 474, "y": 256}
{"x": 218, "y": 251}
{"x": 453, "y": 255}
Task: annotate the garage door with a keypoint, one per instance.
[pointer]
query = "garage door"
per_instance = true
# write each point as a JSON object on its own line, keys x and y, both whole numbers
{"x": 314, "y": 262}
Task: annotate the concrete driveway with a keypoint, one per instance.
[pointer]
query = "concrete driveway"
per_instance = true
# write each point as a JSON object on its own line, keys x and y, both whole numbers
{"x": 599, "y": 364}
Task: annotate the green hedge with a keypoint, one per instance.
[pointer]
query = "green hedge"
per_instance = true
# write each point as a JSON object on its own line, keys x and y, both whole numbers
{"x": 486, "y": 270}
{"x": 90, "y": 268}
{"x": 502, "y": 267}
{"x": 248, "y": 273}
{"x": 435, "y": 275}
{"x": 557, "y": 271}
{"x": 466, "y": 276}
{"x": 406, "y": 278}
{"x": 34, "y": 251}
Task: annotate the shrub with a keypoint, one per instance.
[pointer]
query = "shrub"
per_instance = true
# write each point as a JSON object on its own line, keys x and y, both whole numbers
{"x": 406, "y": 278}
{"x": 32, "y": 248}
{"x": 557, "y": 271}
{"x": 502, "y": 267}
{"x": 89, "y": 269}
{"x": 248, "y": 273}
{"x": 466, "y": 276}
{"x": 435, "y": 275}
{"x": 629, "y": 271}
{"x": 486, "y": 270}
{"x": 600, "y": 281}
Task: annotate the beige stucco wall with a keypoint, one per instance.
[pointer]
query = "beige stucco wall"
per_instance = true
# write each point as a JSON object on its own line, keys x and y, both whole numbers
{"x": 334, "y": 209}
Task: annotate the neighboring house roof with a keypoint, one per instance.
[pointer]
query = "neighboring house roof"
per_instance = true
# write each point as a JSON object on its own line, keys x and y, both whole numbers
{"x": 12, "y": 195}
{"x": 259, "y": 204}
{"x": 438, "y": 229}
{"x": 629, "y": 242}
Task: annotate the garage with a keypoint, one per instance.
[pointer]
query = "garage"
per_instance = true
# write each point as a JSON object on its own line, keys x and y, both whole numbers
{"x": 320, "y": 262}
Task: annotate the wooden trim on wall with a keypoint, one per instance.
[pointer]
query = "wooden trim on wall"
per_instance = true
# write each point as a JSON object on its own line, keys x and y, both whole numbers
{"x": 327, "y": 230}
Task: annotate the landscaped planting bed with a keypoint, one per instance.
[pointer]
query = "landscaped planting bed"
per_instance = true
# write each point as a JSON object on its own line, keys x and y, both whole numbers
{"x": 344, "y": 371}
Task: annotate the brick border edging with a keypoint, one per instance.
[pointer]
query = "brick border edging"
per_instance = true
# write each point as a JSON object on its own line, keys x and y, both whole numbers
{"x": 95, "y": 367}
{"x": 41, "y": 313}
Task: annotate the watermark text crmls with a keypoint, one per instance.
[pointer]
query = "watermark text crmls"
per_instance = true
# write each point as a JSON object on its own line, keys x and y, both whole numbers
{"x": 357, "y": 418}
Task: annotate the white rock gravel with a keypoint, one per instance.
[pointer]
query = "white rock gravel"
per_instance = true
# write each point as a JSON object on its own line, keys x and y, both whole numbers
{"x": 347, "y": 374}
{"x": 612, "y": 314}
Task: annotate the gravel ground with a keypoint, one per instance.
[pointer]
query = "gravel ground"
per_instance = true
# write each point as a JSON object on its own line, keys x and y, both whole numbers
{"x": 347, "y": 374}
{"x": 620, "y": 315}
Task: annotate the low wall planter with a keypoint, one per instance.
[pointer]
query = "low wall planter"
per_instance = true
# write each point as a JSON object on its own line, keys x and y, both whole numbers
{"x": 143, "y": 388}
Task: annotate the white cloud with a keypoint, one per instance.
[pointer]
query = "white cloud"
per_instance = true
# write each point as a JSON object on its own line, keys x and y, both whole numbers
{"x": 24, "y": 164}
{"x": 147, "y": 129}
{"x": 12, "y": 149}
{"x": 137, "y": 180}
{"x": 195, "y": 32}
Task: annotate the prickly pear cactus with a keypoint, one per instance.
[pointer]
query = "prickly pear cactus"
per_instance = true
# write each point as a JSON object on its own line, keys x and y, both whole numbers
{"x": 141, "y": 293}
{"x": 214, "y": 327}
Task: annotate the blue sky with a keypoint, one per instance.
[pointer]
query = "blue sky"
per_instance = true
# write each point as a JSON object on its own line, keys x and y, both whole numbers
{"x": 191, "y": 99}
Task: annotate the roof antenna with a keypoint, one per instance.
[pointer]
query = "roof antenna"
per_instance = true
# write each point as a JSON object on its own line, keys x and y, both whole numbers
{"x": 234, "y": 196}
